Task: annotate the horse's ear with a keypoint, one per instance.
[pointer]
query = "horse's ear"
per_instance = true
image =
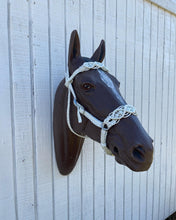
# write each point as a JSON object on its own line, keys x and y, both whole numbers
{"x": 99, "y": 54}
{"x": 74, "y": 47}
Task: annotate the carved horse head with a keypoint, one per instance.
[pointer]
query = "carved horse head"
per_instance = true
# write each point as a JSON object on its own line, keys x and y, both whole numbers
{"x": 88, "y": 103}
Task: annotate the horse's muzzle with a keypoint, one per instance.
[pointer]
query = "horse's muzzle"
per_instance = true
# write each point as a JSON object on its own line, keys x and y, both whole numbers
{"x": 131, "y": 145}
{"x": 139, "y": 159}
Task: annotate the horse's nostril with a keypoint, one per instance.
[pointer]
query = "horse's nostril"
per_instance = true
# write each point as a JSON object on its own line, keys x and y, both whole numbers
{"x": 116, "y": 150}
{"x": 138, "y": 153}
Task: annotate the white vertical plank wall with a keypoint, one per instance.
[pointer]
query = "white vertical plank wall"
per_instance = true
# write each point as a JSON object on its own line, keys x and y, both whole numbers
{"x": 87, "y": 170}
{"x": 141, "y": 52}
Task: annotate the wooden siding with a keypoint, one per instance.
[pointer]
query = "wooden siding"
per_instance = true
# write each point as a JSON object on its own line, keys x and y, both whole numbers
{"x": 169, "y": 5}
{"x": 141, "y": 52}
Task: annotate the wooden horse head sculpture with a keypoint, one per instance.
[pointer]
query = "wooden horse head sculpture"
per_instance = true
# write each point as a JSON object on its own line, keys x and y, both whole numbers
{"x": 88, "y": 103}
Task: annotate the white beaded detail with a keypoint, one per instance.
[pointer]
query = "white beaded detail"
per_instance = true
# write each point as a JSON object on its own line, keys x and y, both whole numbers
{"x": 114, "y": 117}
{"x": 85, "y": 67}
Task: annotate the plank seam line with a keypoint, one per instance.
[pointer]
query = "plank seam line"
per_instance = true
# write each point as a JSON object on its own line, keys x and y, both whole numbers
{"x": 161, "y": 6}
{"x": 51, "y": 104}
{"x": 140, "y": 178}
{"x": 33, "y": 111}
{"x": 12, "y": 109}
{"x": 134, "y": 75}
{"x": 167, "y": 125}
{"x": 65, "y": 33}
{"x": 156, "y": 88}
{"x": 171, "y": 138}
{"x": 161, "y": 111}
{"x": 148, "y": 124}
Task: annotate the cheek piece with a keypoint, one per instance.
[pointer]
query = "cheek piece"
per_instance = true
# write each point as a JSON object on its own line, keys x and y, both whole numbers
{"x": 112, "y": 119}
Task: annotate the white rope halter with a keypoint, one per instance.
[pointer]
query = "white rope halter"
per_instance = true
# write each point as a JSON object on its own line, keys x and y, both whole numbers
{"x": 112, "y": 119}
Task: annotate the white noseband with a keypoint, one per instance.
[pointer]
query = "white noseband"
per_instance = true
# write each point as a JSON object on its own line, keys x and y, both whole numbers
{"x": 112, "y": 119}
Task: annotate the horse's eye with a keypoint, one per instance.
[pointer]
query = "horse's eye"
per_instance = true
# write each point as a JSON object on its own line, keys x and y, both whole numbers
{"x": 87, "y": 86}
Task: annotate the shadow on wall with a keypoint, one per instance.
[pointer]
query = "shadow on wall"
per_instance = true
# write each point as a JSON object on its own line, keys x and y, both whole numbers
{"x": 172, "y": 217}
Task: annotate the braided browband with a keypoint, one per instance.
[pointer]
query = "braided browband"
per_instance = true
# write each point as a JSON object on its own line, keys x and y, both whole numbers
{"x": 112, "y": 119}
{"x": 85, "y": 67}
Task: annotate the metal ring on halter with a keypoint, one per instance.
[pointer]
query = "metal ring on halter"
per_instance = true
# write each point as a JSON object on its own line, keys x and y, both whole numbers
{"x": 104, "y": 127}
